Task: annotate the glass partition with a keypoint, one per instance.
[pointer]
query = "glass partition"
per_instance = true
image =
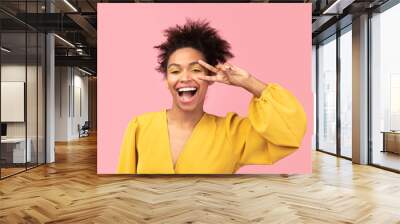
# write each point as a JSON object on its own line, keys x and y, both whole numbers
{"x": 13, "y": 110}
{"x": 346, "y": 93}
{"x": 31, "y": 100}
{"x": 22, "y": 77}
{"x": 41, "y": 85}
{"x": 385, "y": 89}
{"x": 327, "y": 95}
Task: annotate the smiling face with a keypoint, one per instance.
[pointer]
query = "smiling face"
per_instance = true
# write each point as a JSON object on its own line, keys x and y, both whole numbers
{"x": 183, "y": 70}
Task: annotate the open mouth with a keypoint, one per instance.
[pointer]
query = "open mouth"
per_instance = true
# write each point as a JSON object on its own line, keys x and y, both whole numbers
{"x": 186, "y": 94}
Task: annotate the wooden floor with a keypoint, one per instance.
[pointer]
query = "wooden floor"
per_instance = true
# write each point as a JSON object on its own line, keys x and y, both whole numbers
{"x": 70, "y": 191}
{"x": 5, "y": 172}
{"x": 388, "y": 159}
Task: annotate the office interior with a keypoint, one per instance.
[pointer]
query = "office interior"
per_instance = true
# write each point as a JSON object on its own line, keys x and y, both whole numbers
{"x": 48, "y": 81}
{"x": 357, "y": 87}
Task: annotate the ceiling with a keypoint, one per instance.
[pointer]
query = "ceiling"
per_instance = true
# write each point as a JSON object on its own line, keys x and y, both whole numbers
{"x": 76, "y": 22}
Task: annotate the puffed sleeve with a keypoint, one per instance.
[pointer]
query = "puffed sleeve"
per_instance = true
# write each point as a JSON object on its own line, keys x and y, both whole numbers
{"x": 274, "y": 128}
{"x": 127, "y": 156}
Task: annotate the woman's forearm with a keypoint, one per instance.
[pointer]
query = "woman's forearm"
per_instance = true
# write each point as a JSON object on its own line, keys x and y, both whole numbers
{"x": 253, "y": 85}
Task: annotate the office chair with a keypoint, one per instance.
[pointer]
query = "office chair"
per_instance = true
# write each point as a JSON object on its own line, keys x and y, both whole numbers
{"x": 84, "y": 130}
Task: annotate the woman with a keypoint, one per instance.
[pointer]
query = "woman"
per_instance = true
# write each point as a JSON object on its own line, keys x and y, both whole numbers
{"x": 184, "y": 138}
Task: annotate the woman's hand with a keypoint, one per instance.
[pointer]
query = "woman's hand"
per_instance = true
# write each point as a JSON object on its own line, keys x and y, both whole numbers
{"x": 233, "y": 75}
{"x": 225, "y": 73}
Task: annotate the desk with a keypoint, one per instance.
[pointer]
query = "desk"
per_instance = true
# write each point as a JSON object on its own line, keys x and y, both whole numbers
{"x": 391, "y": 141}
{"x": 16, "y": 148}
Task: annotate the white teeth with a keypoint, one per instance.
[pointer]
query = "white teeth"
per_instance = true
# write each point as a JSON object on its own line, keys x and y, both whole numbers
{"x": 187, "y": 89}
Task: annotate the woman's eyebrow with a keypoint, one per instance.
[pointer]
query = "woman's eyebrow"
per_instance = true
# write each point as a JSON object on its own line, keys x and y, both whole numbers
{"x": 190, "y": 64}
{"x": 194, "y": 63}
{"x": 173, "y": 65}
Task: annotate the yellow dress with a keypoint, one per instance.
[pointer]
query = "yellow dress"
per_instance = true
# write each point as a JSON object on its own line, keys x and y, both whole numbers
{"x": 273, "y": 129}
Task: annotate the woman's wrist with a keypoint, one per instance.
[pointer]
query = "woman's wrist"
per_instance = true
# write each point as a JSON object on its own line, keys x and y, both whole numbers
{"x": 253, "y": 85}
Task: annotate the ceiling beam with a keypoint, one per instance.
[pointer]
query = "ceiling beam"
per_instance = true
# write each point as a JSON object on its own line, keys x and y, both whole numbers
{"x": 85, "y": 61}
{"x": 337, "y": 7}
{"x": 86, "y": 26}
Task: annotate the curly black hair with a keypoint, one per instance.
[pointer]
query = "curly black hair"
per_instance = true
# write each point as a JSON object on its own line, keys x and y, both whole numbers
{"x": 198, "y": 35}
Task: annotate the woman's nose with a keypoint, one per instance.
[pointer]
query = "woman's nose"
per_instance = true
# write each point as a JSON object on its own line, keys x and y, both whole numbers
{"x": 186, "y": 75}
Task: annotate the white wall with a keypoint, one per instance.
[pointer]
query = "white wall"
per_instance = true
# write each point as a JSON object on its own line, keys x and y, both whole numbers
{"x": 80, "y": 84}
{"x": 71, "y": 93}
{"x": 16, "y": 73}
{"x": 33, "y": 127}
{"x": 62, "y": 81}
{"x": 10, "y": 73}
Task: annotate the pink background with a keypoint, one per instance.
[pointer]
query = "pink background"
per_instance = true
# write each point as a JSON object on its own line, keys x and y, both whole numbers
{"x": 271, "y": 41}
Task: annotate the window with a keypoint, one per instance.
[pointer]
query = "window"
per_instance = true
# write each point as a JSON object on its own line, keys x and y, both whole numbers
{"x": 385, "y": 88}
{"x": 327, "y": 95}
{"x": 346, "y": 92}
{"x": 22, "y": 77}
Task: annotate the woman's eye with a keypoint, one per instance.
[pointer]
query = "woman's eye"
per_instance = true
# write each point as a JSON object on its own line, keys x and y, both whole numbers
{"x": 196, "y": 70}
{"x": 174, "y": 72}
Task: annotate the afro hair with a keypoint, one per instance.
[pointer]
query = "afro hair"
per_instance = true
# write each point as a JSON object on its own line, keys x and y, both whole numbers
{"x": 198, "y": 35}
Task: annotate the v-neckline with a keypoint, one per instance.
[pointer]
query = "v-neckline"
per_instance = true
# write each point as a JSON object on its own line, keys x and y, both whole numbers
{"x": 184, "y": 148}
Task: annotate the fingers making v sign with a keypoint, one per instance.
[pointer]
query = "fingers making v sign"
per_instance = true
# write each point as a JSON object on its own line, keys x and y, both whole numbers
{"x": 233, "y": 75}
{"x": 225, "y": 73}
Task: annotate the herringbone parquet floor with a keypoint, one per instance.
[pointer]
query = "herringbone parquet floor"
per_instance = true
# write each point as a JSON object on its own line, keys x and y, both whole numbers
{"x": 70, "y": 191}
